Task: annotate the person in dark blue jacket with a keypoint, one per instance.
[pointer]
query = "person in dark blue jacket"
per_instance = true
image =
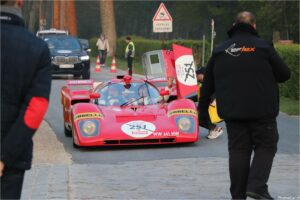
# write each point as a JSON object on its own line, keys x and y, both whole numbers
{"x": 25, "y": 88}
{"x": 244, "y": 72}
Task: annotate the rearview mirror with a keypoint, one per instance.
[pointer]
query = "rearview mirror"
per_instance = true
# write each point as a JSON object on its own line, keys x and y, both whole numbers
{"x": 164, "y": 92}
{"x": 95, "y": 95}
{"x": 88, "y": 50}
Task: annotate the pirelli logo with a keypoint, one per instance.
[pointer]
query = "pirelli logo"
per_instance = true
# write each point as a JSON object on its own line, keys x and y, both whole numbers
{"x": 89, "y": 115}
{"x": 182, "y": 112}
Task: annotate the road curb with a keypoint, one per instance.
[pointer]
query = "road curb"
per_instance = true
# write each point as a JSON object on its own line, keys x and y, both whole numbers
{"x": 47, "y": 148}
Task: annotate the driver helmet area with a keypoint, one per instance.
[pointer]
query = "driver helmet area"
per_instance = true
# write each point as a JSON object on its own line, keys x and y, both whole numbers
{"x": 135, "y": 93}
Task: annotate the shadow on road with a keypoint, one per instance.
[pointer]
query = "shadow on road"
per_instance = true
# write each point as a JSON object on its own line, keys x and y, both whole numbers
{"x": 134, "y": 147}
{"x": 63, "y": 77}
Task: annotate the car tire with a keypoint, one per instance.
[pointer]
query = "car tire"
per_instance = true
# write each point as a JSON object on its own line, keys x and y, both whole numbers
{"x": 86, "y": 74}
{"x": 68, "y": 133}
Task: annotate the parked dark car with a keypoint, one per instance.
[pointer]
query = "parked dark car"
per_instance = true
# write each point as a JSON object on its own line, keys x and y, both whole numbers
{"x": 68, "y": 56}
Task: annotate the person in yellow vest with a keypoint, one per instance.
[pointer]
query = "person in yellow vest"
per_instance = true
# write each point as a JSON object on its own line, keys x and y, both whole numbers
{"x": 214, "y": 130}
{"x": 129, "y": 54}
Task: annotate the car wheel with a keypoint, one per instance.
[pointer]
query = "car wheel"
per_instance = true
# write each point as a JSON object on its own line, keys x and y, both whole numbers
{"x": 68, "y": 133}
{"x": 86, "y": 74}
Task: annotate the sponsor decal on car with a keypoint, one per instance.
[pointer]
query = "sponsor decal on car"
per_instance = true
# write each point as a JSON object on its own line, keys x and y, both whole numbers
{"x": 88, "y": 115}
{"x": 138, "y": 129}
{"x": 185, "y": 70}
{"x": 166, "y": 134}
{"x": 182, "y": 112}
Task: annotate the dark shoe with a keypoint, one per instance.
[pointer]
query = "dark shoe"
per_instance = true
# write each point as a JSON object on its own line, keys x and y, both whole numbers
{"x": 255, "y": 195}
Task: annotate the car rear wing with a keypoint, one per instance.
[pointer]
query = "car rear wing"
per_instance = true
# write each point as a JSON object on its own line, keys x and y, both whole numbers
{"x": 80, "y": 85}
{"x": 75, "y": 87}
{"x": 79, "y": 82}
{"x": 76, "y": 91}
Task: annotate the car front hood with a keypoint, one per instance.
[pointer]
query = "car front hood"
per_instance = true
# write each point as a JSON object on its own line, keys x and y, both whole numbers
{"x": 148, "y": 113}
{"x": 130, "y": 123}
{"x": 135, "y": 122}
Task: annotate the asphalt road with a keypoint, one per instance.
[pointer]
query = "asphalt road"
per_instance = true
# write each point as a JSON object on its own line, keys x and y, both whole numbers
{"x": 288, "y": 143}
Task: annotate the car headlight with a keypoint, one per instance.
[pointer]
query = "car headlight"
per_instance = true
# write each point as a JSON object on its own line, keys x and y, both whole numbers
{"x": 84, "y": 57}
{"x": 185, "y": 124}
{"x": 89, "y": 128}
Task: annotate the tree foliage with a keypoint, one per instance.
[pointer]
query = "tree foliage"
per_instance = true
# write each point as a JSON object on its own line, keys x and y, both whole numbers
{"x": 192, "y": 19}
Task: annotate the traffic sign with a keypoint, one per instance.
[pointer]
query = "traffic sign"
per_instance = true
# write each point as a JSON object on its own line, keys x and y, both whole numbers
{"x": 162, "y": 20}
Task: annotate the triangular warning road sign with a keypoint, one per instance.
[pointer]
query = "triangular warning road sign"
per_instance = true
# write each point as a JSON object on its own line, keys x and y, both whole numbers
{"x": 162, "y": 14}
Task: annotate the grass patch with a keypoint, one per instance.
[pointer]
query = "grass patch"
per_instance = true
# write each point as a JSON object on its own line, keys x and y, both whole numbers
{"x": 122, "y": 64}
{"x": 289, "y": 106}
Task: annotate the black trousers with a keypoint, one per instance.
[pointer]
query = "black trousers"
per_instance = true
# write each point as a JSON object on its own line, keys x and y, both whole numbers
{"x": 244, "y": 137}
{"x": 11, "y": 183}
{"x": 102, "y": 55}
{"x": 129, "y": 63}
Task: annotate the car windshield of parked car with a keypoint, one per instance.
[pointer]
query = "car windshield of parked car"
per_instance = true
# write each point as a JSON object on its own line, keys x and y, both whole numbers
{"x": 63, "y": 43}
{"x": 120, "y": 94}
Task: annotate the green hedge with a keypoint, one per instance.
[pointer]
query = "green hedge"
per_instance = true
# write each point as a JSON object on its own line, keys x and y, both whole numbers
{"x": 93, "y": 46}
{"x": 143, "y": 45}
{"x": 290, "y": 55}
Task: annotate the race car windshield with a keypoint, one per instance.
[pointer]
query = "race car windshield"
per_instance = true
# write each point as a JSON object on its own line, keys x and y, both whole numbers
{"x": 65, "y": 43}
{"x": 119, "y": 94}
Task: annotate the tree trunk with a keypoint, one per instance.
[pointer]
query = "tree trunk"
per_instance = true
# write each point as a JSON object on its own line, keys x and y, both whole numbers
{"x": 42, "y": 18}
{"x": 72, "y": 21}
{"x": 63, "y": 15}
{"x": 56, "y": 14}
{"x": 108, "y": 25}
{"x": 286, "y": 24}
{"x": 26, "y": 8}
{"x": 34, "y": 17}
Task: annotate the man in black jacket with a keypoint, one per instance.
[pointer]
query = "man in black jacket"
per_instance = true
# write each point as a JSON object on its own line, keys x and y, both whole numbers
{"x": 25, "y": 88}
{"x": 244, "y": 72}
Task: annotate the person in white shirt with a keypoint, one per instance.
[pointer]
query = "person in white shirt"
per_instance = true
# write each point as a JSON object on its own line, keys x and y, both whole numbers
{"x": 103, "y": 47}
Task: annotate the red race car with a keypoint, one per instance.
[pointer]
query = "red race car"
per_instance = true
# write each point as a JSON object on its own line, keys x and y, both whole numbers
{"x": 126, "y": 112}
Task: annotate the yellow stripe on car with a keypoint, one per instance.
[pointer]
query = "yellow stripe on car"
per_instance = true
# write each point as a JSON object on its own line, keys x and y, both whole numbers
{"x": 183, "y": 112}
{"x": 88, "y": 115}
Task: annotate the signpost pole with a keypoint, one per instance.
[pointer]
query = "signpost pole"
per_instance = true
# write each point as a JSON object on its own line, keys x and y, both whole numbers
{"x": 212, "y": 35}
{"x": 162, "y": 41}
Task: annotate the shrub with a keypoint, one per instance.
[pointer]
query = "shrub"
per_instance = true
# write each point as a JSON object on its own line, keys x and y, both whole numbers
{"x": 143, "y": 45}
{"x": 93, "y": 46}
{"x": 290, "y": 55}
